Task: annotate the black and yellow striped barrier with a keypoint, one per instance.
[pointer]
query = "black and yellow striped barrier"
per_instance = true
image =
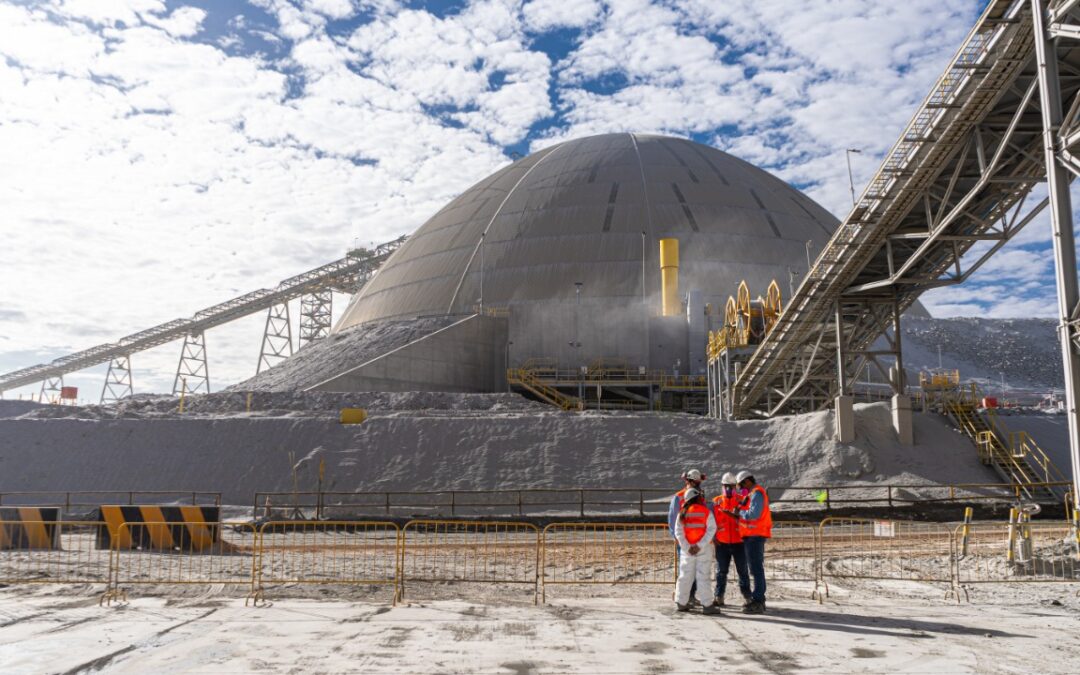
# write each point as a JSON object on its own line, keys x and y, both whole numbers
{"x": 188, "y": 528}
{"x": 29, "y": 528}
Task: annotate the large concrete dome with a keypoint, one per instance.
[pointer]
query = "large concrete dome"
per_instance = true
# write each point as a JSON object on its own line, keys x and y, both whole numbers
{"x": 575, "y": 212}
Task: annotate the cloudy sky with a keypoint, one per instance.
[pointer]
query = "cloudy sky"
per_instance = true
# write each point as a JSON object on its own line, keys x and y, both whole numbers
{"x": 157, "y": 157}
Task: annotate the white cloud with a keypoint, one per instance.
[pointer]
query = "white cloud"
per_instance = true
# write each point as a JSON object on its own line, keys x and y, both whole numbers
{"x": 148, "y": 175}
{"x": 545, "y": 15}
{"x": 183, "y": 22}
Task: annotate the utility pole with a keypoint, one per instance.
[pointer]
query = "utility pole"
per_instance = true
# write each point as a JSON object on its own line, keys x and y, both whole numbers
{"x": 851, "y": 179}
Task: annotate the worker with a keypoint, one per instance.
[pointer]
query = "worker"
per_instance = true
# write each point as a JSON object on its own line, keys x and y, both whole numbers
{"x": 755, "y": 526}
{"x": 692, "y": 479}
{"x": 695, "y": 527}
{"x": 729, "y": 543}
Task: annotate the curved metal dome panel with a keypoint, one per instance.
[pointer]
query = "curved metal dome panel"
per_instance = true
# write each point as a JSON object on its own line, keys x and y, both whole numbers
{"x": 577, "y": 211}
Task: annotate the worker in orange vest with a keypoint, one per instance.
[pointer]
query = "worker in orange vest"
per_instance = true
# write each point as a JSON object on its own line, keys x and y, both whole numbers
{"x": 695, "y": 528}
{"x": 729, "y": 543}
{"x": 755, "y": 526}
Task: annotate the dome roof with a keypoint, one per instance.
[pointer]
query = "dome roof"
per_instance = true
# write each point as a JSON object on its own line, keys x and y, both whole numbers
{"x": 577, "y": 211}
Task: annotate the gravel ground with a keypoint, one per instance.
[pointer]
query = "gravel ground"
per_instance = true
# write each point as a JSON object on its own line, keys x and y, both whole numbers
{"x": 618, "y": 630}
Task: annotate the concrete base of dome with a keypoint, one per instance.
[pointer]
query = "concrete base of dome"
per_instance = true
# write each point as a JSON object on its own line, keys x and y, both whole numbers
{"x": 466, "y": 356}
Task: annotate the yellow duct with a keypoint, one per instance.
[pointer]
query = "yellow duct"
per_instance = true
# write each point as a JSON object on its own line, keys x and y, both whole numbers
{"x": 669, "y": 276}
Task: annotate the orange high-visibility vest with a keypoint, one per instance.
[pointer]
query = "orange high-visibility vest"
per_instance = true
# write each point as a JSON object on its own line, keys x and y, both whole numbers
{"x": 760, "y": 526}
{"x": 695, "y": 521}
{"x": 727, "y": 526}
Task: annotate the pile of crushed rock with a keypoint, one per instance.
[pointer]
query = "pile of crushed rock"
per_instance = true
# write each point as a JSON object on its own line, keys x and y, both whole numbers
{"x": 352, "y": 347}
{"x": 1027, "y": 351}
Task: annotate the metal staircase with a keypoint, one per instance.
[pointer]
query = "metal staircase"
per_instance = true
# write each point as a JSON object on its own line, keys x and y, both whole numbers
{"x": 1014, "y": 455}
{"x": 527, "y": 380}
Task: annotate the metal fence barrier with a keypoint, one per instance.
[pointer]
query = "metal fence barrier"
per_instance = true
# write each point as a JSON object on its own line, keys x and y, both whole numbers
{"x": 469, "y": 551}
{"x": 607, "y": 553}
{"x": 192, "y": 553}
{"x": 1022, "y": 552}
{"x": 860, "y": 548}
{"x": 71, "y": 558}
{"x": 791, "y": 553}
{"x": 494, "y": 552}
{"x": 327, "y": 553}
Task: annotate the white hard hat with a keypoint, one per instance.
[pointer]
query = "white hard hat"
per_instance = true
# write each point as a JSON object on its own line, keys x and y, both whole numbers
{"x": 728, "y": 479}
{"x": 743, "y": 475}
{"x": 692, "y": 493}
{"x": 693, "y": 474}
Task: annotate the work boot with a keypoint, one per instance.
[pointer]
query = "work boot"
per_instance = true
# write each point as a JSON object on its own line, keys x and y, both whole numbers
{"x": 718, "y": 601}
{"x": 692, "y": 602}
{"x": 746, "y": 599}
{"x": 711, "y": 610}
{"x": 682, "y": 608}
{"x": 754, "y": 607}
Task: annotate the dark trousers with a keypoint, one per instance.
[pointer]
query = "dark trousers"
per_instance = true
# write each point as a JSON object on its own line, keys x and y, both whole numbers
{"x": 755, "y": 559}
{"x": 724, "y": 554}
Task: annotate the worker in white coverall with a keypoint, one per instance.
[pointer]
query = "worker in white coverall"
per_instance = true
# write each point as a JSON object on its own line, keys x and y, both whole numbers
{"x": 695, "y": 527}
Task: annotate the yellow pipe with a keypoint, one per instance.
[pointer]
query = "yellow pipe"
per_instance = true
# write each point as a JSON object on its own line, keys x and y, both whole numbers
{"x": 669, "y": 277}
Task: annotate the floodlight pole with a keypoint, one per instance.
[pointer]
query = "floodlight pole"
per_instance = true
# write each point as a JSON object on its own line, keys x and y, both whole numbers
{"x": 850, "y": 178}
{"x": 1061, "y": 219}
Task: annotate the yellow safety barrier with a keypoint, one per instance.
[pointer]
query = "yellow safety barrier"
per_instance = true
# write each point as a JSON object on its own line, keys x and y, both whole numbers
{"x": 860, "y": 548}
{"x": 607, "y": 553}
{"x": 791, "y": 553}
{"x": 72, "y": 557}
{"x": 327, "y": 553}
{"x": 214, "y": 553}
{"x": 28, "y": 527}
{"x": 174, "y": 527}
{"x": 473, "y": 551}
{"x": 1020, "y": 552}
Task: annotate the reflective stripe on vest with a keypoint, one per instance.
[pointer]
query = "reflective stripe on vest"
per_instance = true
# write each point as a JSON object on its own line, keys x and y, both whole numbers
{"x": 695, "y": 521}
{"x": 727, "y": 526}
{"x": 762, "y": 525}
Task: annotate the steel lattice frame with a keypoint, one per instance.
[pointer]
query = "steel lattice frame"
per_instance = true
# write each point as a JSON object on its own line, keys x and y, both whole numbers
{"x": 118, "y": 383}
{"x": 277, "y": 344}
{"x": 50, "y": 389}
{"x": 193, "y": 371}
{"x": 316, "y": 312}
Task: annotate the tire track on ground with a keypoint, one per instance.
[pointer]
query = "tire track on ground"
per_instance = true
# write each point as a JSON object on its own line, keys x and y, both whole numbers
{"x": 103, "y": 662}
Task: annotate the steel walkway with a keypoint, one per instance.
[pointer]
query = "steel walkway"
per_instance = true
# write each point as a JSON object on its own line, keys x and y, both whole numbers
{"x": 960, "y": 176}
{"x": 345, "y": 275}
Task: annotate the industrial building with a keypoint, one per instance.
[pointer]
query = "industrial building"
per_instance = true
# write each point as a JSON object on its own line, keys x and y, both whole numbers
{"x": 554, "y": 266}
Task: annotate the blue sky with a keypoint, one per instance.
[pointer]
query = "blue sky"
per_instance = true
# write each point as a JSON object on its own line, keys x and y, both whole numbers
{"x": 162, "y": 156}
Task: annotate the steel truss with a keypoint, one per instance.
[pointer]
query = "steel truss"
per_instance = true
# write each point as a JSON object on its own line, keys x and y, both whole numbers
{"x": 193, "y": 371}
{"x": 316, "y": 312}
{"x": 118, "y": 380}
{"x": 346, "y": 275}
{"x": 50, "y": 389}
{"x": 277, "y": 342}
{"x": 1003, "y": 118}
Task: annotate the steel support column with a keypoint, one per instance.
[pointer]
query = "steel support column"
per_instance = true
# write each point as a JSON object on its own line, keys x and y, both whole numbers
{"x": 901, "y": 377}
{"x": 1061, "y": 219}
{"x": 193, "y": 371}
{"x": 277, "y": 337}
{"x": 117, "y": 380}
{"x": 316, "y": 312}
{"x": 50, "y": 389}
